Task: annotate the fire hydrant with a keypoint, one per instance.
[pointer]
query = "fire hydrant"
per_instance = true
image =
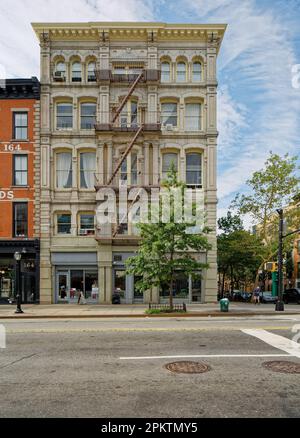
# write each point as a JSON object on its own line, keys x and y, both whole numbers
{"x": 224, "y": 305}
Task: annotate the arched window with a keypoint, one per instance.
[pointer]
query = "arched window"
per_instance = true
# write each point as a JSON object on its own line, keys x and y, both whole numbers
{"x": 63, "y": 223}
{"x": 197, "y": 72}
{"x": 129, "y": 169}
{"x": 169, "y": 113}
{"x": 193, "y": 117}
{"x": 165, "y": 72}
{"x": 64, "y": 170}
{"x": 64, "y": 115}
{"x": 87, "y": 169}
{"x": 86, "y": 223}
{"x": 193, "y": 169}
{"x": 181, "y": 72}
{"x": 76, "y": 72}
{"x": 129, "y": 114}
{"x": 169, "y": 160}
{"x": 60, "y": 71}
{"x": 91, "y": 72}
{"x": 88, "y": 115}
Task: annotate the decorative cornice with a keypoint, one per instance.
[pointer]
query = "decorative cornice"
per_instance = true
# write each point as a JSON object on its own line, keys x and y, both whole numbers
{"x": 113, "y": 31}
{"x": 20, "y": 89}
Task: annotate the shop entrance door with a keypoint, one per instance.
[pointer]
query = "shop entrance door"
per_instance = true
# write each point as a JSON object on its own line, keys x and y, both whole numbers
{"x": 120, "y": 284}
{"x": 62, "y": 287}
{"x": 28, "y": 287}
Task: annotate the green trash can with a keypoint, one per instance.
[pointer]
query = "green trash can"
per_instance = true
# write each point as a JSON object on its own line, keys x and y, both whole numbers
{"x": 224, "y": 305}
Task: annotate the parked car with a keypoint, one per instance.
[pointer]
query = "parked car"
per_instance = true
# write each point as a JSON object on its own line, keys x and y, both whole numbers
{"x": 237, "y": 295}
{"x": 291, "y": 296}
{"x": 246, "y": 297}
{"x": 267, "y": 297}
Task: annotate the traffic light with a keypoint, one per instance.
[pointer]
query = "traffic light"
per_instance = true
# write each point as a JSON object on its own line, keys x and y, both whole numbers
{"x": 271, "y": 266}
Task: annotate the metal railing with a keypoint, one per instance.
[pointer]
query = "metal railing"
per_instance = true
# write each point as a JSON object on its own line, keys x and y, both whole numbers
{"x": 150, "y": 120}
{"x": 133, "y": 179}
{"x": 129, "y": 121}
{"x": 150, "y": 75}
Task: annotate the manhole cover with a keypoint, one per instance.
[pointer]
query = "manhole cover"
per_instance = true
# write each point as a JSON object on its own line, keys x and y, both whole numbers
{"x": 187, "y": 367}
{"x": 283, "y": 366}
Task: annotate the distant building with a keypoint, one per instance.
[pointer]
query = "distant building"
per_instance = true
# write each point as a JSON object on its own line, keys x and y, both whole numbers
{"x": 19, "y": 186}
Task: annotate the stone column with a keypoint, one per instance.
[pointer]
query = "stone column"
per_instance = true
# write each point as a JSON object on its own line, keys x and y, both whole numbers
{"x": 105, "y": 274}
{"x": 155, "y": 166}
{"x": 100, "y": 162}
{"x": 109, "y": 159}
{"x": 146, "y": 163}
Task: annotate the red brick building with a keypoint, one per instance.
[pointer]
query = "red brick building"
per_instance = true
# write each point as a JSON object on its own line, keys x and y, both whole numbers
{"x": 19, "y": 186}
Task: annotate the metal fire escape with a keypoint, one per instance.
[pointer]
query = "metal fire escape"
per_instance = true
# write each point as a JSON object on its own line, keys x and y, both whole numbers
{"x": 130, "y": 145}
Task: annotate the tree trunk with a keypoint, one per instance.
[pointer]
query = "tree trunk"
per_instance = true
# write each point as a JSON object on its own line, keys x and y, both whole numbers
{"x": 223, "y": 284}
{"x": 171, "y": 294}
{"x": 231, "y": 279}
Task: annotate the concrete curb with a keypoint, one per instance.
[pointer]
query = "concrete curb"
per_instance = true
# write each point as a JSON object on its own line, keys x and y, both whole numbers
{"x": 139, "y": 315}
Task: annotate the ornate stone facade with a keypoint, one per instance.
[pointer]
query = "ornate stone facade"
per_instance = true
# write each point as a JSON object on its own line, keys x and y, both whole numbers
{"x": 69, "y": 55}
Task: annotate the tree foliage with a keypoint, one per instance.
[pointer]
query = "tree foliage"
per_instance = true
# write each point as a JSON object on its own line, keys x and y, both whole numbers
{"x": 239, "y": 252}
{"x": 273, "y": 187}
{"x": 166, "y": 248}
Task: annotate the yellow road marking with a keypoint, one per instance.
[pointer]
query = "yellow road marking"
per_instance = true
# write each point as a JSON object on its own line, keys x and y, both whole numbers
{"x": 135, "y": 330}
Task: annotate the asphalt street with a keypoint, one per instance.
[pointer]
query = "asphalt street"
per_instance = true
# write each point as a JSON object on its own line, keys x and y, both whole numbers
{"x": 116, "y": 368}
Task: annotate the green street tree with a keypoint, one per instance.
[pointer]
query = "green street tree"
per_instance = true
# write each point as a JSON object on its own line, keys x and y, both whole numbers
{"x": 165, "y": 248}
{"x": 239, "y": 252}
{"x": 273, "y": 187}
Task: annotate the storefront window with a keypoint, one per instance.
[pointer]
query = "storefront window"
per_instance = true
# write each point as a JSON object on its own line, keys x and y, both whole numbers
{"x": 196, "y": 289}
{"x": 6, "y": 280}
{"x": 138, "y": 295}
{"x": 120, "y": 283}
{"x": 180, "y": 287}
{"x": 91, "y": 285}
{"x": 71, "y": 283}
{"x": 28, "y": 278}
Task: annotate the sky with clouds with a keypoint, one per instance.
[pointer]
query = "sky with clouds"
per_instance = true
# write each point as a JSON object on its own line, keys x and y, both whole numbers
{"x": 259, "y": 110}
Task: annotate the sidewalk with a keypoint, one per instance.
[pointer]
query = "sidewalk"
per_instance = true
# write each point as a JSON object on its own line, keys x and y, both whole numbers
{"x": 138, "y": 310}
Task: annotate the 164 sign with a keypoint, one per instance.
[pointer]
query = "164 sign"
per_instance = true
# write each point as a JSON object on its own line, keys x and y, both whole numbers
{"x": 11, "y": 147}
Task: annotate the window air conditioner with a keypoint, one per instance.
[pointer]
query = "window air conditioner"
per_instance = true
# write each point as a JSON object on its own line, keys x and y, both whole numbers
{"x": 59, "y": 75}
{"x": 169, "y": 127}
{"x": 87, "y": 232}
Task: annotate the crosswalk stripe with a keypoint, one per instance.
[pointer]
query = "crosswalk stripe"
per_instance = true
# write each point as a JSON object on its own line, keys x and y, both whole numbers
{"x": 276, "y": 341}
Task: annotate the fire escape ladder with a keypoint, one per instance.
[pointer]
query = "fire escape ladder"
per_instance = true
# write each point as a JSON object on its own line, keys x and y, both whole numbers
{"x": 126, "y": 214}
{"x": 130, "y": 145}
{"x": 131, "y": 90}
{"x": 124, "y": 156}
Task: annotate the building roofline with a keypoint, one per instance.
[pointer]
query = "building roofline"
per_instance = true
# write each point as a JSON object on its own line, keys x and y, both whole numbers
{"x": 20, "y": 88}
{"x": 57, "y": 31}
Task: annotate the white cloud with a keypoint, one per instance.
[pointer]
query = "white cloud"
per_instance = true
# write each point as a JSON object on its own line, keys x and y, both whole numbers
{"x": 231, "y": 119}
{"x": 258, "y": 109}
{"x": 19, "y": 50}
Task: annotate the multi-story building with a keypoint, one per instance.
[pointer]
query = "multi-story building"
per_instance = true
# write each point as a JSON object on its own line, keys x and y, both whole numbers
{"x": 19, "y": 186}
{"x": 121, "y": 101}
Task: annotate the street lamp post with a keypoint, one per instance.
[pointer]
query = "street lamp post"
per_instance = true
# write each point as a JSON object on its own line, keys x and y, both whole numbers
{"x": 279, "y": 304}
{"x": 18, "y": 257}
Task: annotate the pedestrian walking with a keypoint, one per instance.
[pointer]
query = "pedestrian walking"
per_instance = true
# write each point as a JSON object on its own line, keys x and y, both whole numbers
{"x": 256, "y": 295}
